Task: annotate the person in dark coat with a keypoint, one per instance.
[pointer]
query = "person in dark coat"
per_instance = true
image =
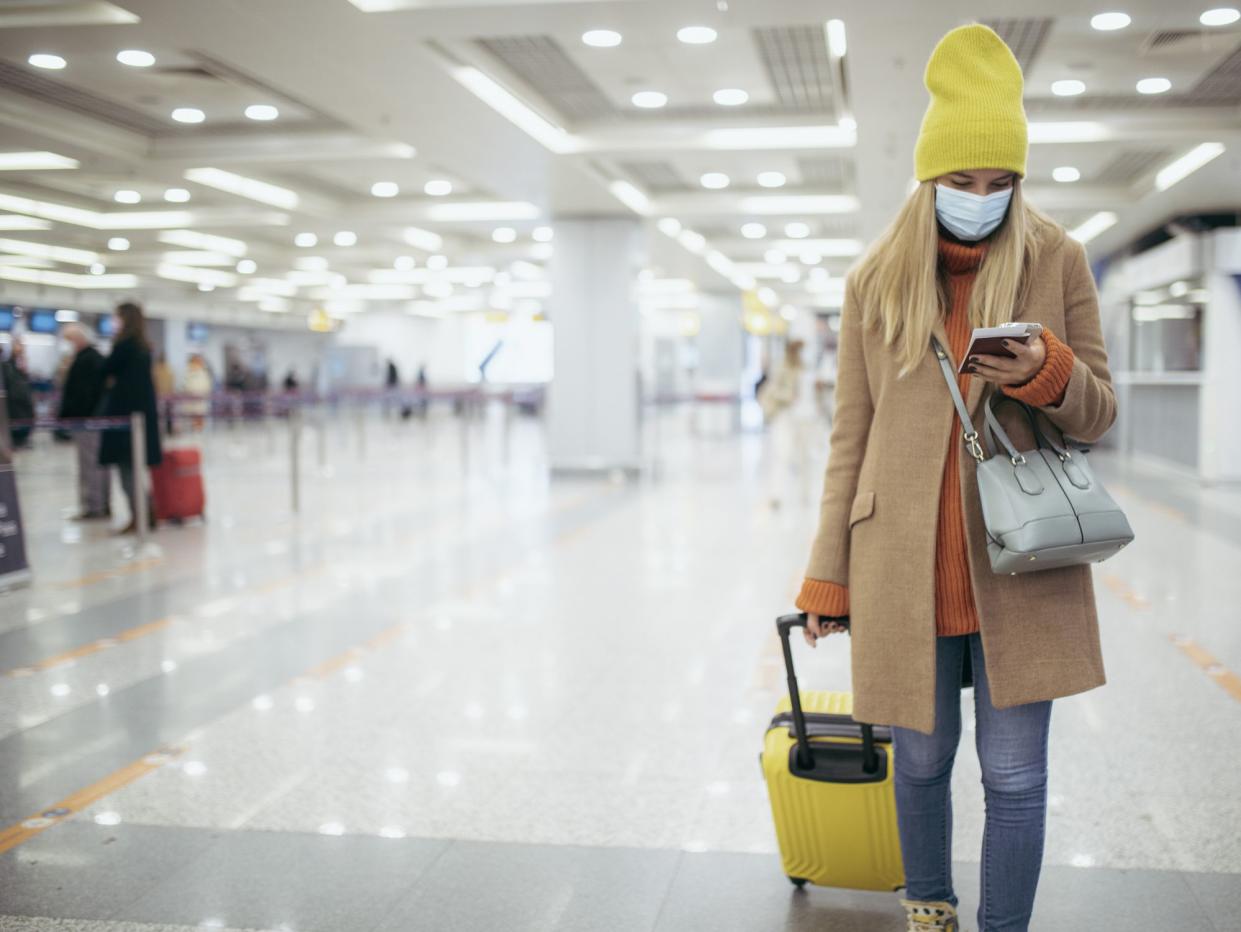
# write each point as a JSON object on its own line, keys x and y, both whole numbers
{"x": 129, "y": 388}
{"x": 18, "y": 398}
{"x": 79, "y": 399}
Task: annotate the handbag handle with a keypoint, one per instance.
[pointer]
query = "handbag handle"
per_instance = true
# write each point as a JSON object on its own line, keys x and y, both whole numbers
{"x": 992, "y": 423}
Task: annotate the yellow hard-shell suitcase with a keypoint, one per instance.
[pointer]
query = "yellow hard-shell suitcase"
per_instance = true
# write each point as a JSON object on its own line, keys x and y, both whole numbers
{"x": 829, "y": 779}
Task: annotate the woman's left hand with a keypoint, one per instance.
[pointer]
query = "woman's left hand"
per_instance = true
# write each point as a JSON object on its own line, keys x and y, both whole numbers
{"x": 1004, "y": 371}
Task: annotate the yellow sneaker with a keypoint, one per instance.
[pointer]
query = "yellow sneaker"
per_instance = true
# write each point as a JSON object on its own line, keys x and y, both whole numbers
{"x": 930, "y": 917}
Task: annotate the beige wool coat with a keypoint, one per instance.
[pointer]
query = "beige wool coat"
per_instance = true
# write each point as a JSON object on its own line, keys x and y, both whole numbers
{"x": 880, "y": 506}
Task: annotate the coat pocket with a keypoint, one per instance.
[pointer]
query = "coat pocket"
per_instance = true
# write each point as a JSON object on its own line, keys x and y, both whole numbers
{"x": 863, "y": 507}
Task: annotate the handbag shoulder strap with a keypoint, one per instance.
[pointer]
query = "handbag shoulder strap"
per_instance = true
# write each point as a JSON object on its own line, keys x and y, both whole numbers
{"x": 968, "y": 435}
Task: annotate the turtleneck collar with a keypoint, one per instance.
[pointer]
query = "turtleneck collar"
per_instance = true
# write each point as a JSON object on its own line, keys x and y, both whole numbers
{"x": 961, "y": 258}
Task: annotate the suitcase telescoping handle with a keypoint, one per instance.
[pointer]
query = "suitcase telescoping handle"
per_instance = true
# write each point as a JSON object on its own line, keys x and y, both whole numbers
{"x": 805, "y": 757}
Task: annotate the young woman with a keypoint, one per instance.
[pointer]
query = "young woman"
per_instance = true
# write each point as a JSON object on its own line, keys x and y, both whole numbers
{"x": 901, "y": 546}
{"x": 129, "y": 388}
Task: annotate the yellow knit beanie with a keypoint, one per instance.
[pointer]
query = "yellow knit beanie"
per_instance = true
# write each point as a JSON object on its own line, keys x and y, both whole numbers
{"x": 975, "y": 119}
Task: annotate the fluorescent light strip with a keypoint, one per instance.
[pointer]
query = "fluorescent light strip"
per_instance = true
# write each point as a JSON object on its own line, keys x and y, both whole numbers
{"x": 1071, "y": 131}
{"x": 240, "y": 185}
{"x": 473, "y": 275}
{"x": 482, "y": 210}
{"x": 44, "y": 251}
{"x": 184, "y": 273}
{"x": 515, "y": 111}
{"x": 1187, "y": 164}
{"x": 827, "y": 248}
{"x": 423, "y": 239}
{"x": 798, "y": 204}
{"x": 1088, "y": 230}
{"x": 197, "y": 258}
{"x": 207, "y": 242}
{"x": 631, "y": 197}
{"x": 67, "y": 279}
{"x": 35, "y": 161}
{"x": 781, "y": 137}
{"x": 22, "y": 222}
{"x": 366, "y": 292}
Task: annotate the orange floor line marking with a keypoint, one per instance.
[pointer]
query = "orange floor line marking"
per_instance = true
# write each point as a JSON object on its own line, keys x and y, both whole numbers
{"x": 1205, "y": 661}
{"x": 28, "y": 828}
{"x": 1125, "y": 592}
{"x": 93, "y": 647}
{"x": 136, "y": 567}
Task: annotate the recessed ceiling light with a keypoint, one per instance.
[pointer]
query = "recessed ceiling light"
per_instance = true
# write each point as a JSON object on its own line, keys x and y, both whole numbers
{"x": 847, "y": 122}
{"x": 438, "y": 187}
{"x": 753, "y": 230}
{"x": 730, "y": 97}
{"x": 1154, "y": 86}
{"x": 403, "y": 263}
{"x": 1066, "y": 173}
{"x": 1109, "y": 22}
{"x": 135, "y": 58}
{"x": 118, "y": 244}
{"x": 306, "y": 240}
{"x": 543, "y": 234}
{"x": 176, "y": 195}
{"x": 771, "y": 179}
{"x": 774, "y": 257}
{"x": 811, "y": 258}
{"x": 262, "y": 112}
{"x": 437, "y": 263}
{"x": 1222, "y": 16}
{"x": 188, "y": 115}
{"x": 504, "y": 234}
{"x": 796, "y": 230}
{"x": 697, "y": 35}
{"x": 714, "y": 180}
{"x": 97, "y": 268}
{"x": 47, "y": 60}
{"x": 1070, "y": 87}
{"x": 345, "y": 238}
{"x": 247, "y": 266}
{"x": 385, "y": 189}
{"x": 127, "y": 197}
{"x": 602, "y": 38}
{"x": 649, "y": 100}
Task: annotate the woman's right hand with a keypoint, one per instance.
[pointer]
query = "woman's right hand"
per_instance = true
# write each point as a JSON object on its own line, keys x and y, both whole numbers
{"x": 820, "y": 627}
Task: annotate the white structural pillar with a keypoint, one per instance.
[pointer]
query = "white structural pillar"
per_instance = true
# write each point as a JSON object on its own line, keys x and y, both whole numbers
{"x": 592, "y": 404}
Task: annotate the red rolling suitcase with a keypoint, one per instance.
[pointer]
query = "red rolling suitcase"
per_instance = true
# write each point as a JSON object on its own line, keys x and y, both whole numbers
{"x": 177, "y": 485}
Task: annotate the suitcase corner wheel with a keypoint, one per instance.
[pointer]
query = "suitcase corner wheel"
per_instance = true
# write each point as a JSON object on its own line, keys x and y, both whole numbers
{"x": 798, "y": 882}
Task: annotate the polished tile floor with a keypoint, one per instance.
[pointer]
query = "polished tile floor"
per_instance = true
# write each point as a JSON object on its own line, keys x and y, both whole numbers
{"x": 452, "y": 693}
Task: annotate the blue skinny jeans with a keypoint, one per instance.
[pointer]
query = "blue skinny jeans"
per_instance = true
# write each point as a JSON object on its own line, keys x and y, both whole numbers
{"x": 1012, "y": 749}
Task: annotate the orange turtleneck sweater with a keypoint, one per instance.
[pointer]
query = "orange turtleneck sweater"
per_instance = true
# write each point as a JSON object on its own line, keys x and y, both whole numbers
{"x": 955, "y": 611}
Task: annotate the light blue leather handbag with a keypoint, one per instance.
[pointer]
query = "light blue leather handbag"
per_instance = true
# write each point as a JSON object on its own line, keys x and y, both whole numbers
{"x": 1042, "y": 508}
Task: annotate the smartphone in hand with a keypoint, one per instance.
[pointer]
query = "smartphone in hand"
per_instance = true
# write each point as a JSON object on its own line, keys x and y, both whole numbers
{"x": 989, "y": 341}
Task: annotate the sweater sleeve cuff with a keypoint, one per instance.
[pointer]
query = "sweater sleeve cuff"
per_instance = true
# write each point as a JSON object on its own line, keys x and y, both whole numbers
{"x": 1048, "y": 385}
{"x": 819, "y": 597}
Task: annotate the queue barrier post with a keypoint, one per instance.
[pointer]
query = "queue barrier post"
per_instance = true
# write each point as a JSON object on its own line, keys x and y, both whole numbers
{"x": 138, "y": 463}
{"x": 295, "y": 456}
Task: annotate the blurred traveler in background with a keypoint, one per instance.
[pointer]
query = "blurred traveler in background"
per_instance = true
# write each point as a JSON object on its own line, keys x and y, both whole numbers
{"x": 901, "y": 546}
{"x": 290, "y": 382}
{"x": 129, "y": 389}
{"x": 423, "y": 387}
{"x": 392, "y": 385}
{"x": 788, "y": 402}
{"x": 165, "y": 388}
{"x": 198, "y": 386}
{"x": 19, "y": 399}
{"x": 79, "y": 399}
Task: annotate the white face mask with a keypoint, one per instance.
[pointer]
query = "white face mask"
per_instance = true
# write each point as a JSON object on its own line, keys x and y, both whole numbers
{"x": 970, "y": 216}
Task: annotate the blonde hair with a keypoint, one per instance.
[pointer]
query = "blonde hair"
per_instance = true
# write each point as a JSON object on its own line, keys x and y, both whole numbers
{"x": 905, "y": 292}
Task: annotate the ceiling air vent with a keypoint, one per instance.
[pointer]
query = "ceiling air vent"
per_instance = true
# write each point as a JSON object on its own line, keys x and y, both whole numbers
{"x": 1168, "y": 40}
{"x": 1024, "y": 36}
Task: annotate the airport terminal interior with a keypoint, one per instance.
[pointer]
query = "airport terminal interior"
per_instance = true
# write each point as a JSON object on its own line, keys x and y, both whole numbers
{"x": 467, "y": 320}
